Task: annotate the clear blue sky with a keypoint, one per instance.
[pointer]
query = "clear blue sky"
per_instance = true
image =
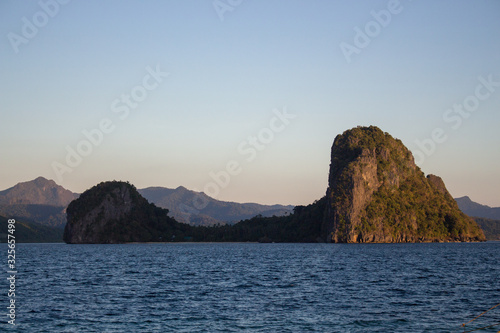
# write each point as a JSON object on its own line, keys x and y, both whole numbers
{"x": 66, "y": 68}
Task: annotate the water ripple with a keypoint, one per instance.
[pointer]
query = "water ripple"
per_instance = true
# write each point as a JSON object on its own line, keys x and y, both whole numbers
{"x": 256, "y": 287}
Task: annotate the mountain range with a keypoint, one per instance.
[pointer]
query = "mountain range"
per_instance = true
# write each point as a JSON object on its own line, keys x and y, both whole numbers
{"x": 44, "y": 202}
{"x": 375, "y": 194}
{"x": 39, "y": 191}
{"x": 197, "y": 208}
{"x": 487, "y": 217}
{"x": 474, "y": 209}
{"x": 41, "y": 202}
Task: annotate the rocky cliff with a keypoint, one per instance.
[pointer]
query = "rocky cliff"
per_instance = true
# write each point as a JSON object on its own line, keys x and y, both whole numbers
{"x": 114, "y": 212}
{"x": 377, "y": 194}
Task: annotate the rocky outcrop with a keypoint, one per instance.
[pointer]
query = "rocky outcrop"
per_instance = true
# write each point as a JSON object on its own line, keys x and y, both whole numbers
{"x": 114, "y": 212}
{"x": 376, "y": 193}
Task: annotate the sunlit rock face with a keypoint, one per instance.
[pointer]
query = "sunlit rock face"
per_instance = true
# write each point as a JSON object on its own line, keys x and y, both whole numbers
{"x": 376, "y": 194}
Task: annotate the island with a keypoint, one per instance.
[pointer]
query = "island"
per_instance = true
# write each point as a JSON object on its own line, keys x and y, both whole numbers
{"x": 375, "y": 194}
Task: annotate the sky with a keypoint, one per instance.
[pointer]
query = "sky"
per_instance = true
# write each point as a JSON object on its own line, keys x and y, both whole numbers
{"x": 243, "y": 99}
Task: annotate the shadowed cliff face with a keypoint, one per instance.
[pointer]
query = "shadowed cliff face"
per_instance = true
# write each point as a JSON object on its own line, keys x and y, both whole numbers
{"x": 88, "y": 227}
{"x": 114, "y": 212}
{"x": 376, "y": 193}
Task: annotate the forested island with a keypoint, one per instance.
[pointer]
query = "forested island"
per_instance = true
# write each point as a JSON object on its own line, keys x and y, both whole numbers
{"x": 375, "y": 194}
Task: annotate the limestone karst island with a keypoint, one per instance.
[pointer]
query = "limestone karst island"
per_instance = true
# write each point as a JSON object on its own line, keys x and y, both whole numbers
{"x": 375, "y": 194}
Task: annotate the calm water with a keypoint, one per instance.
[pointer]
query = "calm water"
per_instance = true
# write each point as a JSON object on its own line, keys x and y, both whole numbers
{"x": 255, "y": 287}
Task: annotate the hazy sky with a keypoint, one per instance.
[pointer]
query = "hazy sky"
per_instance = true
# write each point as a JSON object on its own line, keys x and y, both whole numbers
{"x": 243, "y": 99}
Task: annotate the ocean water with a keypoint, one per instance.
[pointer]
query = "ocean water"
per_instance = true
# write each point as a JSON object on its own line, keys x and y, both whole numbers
{"x": 254, "y": 287}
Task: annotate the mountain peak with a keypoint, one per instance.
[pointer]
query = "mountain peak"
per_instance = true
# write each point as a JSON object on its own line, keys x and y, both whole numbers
{"x": 40, "y": 191}
{"x": 475, "y": 209}
{"x": 198, "y": 208}
{"x": 42, "y": 179}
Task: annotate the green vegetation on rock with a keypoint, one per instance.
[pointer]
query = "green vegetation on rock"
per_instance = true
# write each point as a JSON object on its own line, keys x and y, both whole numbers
{"x": 114, "y": 212}
{"x": 377, "y": 194}
{"x": 490, "y": 227}
{"x": 303, "y": 226}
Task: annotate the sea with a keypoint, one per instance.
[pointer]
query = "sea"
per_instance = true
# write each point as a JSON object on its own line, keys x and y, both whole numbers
{"x": 243, "y": 287}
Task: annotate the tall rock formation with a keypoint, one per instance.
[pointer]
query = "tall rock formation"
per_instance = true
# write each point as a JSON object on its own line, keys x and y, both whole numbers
{"x": 377, "y": 194}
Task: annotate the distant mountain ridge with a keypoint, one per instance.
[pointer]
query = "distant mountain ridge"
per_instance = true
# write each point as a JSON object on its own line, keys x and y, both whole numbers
{"x": 475, "y": 209}
{"x": 39, "y": 191}
{"x": 487, "y": 217}
{"x": 43, "y": 201}
{"x": 197, "y": 208}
